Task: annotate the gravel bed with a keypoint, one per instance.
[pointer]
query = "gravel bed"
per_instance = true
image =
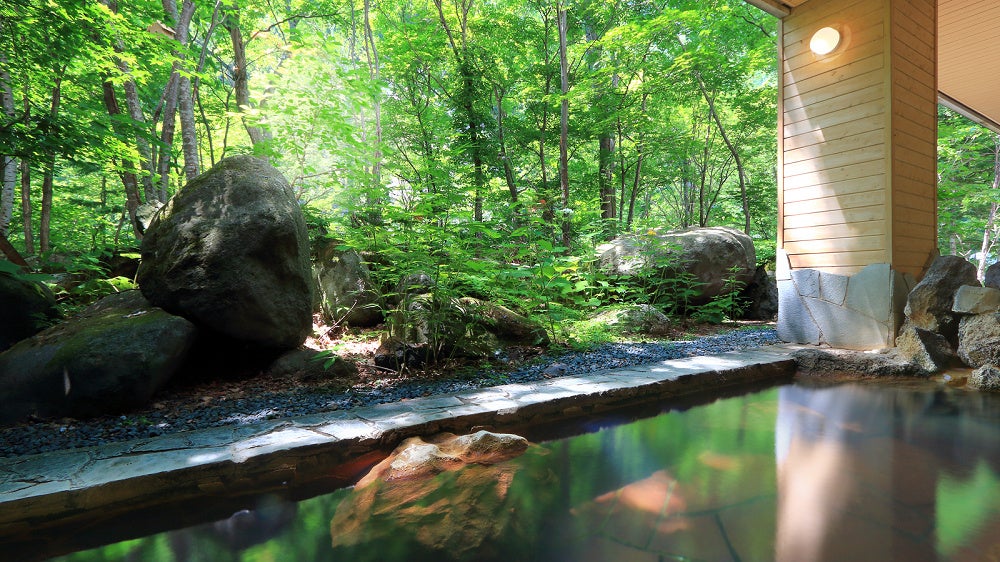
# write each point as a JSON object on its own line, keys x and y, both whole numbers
{"x": 41, "y": 437}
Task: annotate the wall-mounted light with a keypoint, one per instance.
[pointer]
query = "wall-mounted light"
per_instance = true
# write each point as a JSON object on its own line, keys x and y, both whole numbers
{"x": 824, "y": 41}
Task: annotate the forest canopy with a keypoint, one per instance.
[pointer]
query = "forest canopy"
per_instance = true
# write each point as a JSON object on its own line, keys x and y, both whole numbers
{"x": 503, "y": 132}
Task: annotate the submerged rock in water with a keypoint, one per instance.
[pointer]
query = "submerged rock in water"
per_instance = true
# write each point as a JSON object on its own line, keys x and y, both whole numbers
{"x": 110, "y": 358}
{"x": 230, "y": 252}
{"x": 454, "y": 501}
{"x": 417, "y": 458}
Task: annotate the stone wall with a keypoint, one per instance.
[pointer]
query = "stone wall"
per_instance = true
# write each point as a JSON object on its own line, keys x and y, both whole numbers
{"x": 860, "y": 311}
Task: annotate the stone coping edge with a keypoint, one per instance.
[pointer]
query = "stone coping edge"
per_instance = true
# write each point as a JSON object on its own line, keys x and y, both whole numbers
{"x": 62, "y": 487}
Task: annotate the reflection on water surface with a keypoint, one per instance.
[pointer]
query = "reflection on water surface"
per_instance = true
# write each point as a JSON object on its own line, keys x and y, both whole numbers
{"x": 794, "y": 473}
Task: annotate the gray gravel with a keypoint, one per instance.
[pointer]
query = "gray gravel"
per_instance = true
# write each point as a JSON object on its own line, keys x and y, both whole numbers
{"x": 43, "y": 436}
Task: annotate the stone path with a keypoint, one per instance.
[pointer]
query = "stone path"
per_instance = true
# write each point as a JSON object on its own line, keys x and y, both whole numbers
{"x": 71, "y": 486}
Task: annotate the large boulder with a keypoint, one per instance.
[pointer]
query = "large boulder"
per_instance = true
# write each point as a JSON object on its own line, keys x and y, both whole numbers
{"x": 929, "y": 304}
{"x": 110, "y": 358}
{"x": 344, "y": 286}
{"x": 230, "y": 252}
{"x": 28, "y": 307}
{"x": 715, "y": 258}
{"x": 979, "y": 340}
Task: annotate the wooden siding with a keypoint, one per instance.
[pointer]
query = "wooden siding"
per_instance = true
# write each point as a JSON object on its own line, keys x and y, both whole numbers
{"x": 914, "y": 137}
{"x": 834, "y": 123}
{"x": 857, "y": 136}
{"x": 968, "y": 55}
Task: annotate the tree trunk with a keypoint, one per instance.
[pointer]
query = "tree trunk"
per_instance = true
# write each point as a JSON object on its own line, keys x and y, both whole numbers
{"x": 185, "y": 99}
{"x": 467, "y": 99}
{"x": 8, "y": 250}
{"x": 640, "y": 155}
{"x": 129, "y": 180}
{"x": 135, "y": 112}
{"x": 732, "y": 150}
{"x": 29, "y": 239}
{"x": 45, "y": 218}
{"x": 241, "y": 85}
{"x": 167, "y": 134}
{"x": 9, "y": 163}
{"x": 375, "y": 73}
{"x": 508, "y": 172}
{"x": 564, "y": 126}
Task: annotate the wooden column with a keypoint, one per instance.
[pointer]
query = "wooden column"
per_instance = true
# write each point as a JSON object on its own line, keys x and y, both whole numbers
{"x": 857, "y": 221}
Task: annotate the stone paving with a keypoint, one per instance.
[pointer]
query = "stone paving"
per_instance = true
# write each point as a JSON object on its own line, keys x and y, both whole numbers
{"x": 68, "y": 486}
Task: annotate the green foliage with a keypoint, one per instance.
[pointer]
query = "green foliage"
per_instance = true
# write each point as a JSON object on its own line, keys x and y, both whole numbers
{"x": 728, "y": 305}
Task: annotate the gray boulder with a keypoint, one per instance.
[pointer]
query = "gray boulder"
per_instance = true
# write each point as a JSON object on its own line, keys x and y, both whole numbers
{"x": 635, "y": 319}
{"x": 976, "y": 300}
{"x": 230, "y": 252}
{"x": 713, "y": 257}
{"x": 28, "y": 307}
{"x": 110, "y": 358}
{"x": 928, "y": 350}
{"x": 992, "y": 276}
{"x": 979, "y": 340}
{"x": 929, "y": 304}
{"x": 344, "y": 287}
{"x": 761, "y": 296}
{"x": 986, "y": 377}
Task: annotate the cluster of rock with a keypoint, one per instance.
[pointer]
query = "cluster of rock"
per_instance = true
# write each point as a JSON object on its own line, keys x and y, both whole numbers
{"x": 225, "y": 273}
{"x": 950, "y": 319}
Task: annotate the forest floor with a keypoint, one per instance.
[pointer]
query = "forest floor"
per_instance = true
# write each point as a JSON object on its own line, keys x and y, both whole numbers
{"x": 262, "y": 396}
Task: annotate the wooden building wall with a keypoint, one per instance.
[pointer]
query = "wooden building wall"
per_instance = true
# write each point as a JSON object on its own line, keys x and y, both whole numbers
{"x": 914, "y": 122}
{"x": 857, "y": 140}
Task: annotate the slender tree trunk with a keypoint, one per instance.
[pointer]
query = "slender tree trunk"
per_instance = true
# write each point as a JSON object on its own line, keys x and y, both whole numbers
{"x": 375, "y": 73}
{"x": 167, "y": 134}
{"x": 564, "y": 125}
{"x": 508, "y": 172}
{"x": 185, "y": 99}
{"x": 135, "y": 112}
{"x": 640, "y": 155}
{"x": 29, "y": 237}
{"x": 129, "y": 180}
{"x": 467, "y": 98}
{"x": 49, "y": 172}
{"x": 241, "y": 84}
{"x": 732, "y": 150}
{"x": 9, "y": 163}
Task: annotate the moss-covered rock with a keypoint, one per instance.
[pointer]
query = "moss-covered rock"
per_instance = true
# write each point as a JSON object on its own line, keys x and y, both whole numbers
{"x": 110, "y": 358}
{"x": 27, "y": 308}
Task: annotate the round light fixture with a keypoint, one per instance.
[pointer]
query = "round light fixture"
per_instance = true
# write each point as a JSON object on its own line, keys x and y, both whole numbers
{"x": 824, "y": 41}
